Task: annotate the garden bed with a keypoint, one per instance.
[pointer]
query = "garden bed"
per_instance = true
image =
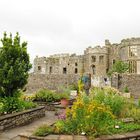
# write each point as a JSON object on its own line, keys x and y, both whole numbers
{"x": 21, "y": 118}
{"x": 125, "y": 136}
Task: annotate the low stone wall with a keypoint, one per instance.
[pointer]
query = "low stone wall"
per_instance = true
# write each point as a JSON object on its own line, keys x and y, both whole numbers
{"x": 126, "y": 136}
{"x": 21, "y": 118}
{"x": 132, "y": 81}
{"x": 53, "y": 81}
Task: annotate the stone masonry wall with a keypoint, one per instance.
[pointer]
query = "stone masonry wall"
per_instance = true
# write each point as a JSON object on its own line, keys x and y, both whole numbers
{"x": 52, "y": 81}
{"x": 132, "y": 81}
{"x": 20, "y": 118}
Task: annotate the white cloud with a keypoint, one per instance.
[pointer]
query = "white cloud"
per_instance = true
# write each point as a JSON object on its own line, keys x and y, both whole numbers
{"x": 56, "y": 26}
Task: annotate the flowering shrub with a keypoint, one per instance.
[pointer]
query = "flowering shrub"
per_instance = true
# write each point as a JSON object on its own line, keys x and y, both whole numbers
{"x": 88, "y": 116}
{"x": 99, "y": 113}
{"x": 109, "y": 97}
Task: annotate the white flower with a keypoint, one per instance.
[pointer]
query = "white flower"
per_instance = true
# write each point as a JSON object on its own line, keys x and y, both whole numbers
{"x": 117, "y": 126}
{"x": 83, "y": 133}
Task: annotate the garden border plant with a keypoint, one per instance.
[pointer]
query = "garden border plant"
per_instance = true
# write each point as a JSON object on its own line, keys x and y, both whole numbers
{"x": 101, "y": 113}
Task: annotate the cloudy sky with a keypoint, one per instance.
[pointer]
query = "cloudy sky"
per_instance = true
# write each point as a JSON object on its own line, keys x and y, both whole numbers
{"x": 69, "y": 26}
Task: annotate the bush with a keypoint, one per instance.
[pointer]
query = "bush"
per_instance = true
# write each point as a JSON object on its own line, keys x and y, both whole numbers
{"x": 49, "y": 96}
{"x": 43, "y": 130}
{"x": 14, "y": 104}
{"x": 11, "y": 104}
{"x": 44, "y": 95}
{"x": 126, "y": 90}
{"x": 28, "y": 104}
{"x": 64, "y": 96}
{"x": 110, "y": 98}
{"x": 98, "y": 114}
{"x": 87, "y": 116}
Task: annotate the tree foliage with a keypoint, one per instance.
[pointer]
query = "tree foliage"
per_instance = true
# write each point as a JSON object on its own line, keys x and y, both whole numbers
{"x": 14, "y": 65}
{"x": 119, "y": 67}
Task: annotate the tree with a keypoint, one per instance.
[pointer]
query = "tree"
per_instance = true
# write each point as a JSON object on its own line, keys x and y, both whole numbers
{"x": 119, "y": 67}
{"x": 14, "y": 65}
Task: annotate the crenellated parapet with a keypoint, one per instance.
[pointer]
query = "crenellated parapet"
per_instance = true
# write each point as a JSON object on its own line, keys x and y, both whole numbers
{"x": 96, "y": 49}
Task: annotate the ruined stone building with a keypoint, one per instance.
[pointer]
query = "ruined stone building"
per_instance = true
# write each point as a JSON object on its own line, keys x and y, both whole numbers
{"x": 95, "y": 60}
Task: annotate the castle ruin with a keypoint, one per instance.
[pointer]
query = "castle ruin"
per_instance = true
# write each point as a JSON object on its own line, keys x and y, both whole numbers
{"x": 95, "y": 60}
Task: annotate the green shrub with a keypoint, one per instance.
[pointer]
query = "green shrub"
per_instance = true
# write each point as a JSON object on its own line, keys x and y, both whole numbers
{"x": 28, "y": 104}
{"x": 56, "y": 97}
{"x": 49, "y": 96}
{"x": 14, "y": 104}
{"x": 108, "y": 98}
{"x": 87, "y": 116}
{"x": 43, "y": 130}
{"x": 44, "y": 95}
{"x": 11, "y": 104}
{"x": 73, "y": 87}
{"x": 126, "y": 90}
{"x": 1, "y": 106}
{"x": 64, "y": 96}
{"x": 135, "y": 114}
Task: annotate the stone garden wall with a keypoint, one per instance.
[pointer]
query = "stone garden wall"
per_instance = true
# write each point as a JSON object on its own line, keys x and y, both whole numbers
{"x": 20, "y": 118}
{"x": 132, "y": 81}
{"x": 53, "y": 81}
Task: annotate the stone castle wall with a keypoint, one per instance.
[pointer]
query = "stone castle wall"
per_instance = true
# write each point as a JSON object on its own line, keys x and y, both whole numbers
{"x": 132, "y": 81}
{"x": 64, "y": 69}
{"x": 53, "y": 82}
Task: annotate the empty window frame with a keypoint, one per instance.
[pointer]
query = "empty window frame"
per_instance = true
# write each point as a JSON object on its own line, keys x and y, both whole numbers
{"x": 93, "y": 58}
{"x": 101, "y": 59}
{"x": 76, "y": 70}
{"x": 64, "y": 70}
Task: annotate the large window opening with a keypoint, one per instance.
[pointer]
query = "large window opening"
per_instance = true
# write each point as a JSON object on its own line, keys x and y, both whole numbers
{"x": 132, "y": 66}
{"x": 101, "y": 59}
{"x": 93, "y": 58}
{"x": 133, "y": 51}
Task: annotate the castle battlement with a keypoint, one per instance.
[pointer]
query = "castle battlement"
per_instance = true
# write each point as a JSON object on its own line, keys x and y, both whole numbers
{"x": 95, "y": 60}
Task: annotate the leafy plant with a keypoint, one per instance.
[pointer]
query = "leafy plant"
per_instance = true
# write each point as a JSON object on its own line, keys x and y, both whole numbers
{"x": 64, "y": 96}
{"x": 43, "y": 130}
{"x": 119, "y": 67}
{"x": 126, "y": 90}
{"x": 44, "y": 95}
{"x": 109, "y": 97}
{"x": 87, "y": 116}
{"x": 14, "y": 104}
{"x": 11, "y": 104}
{"x": 28, "y": 104}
